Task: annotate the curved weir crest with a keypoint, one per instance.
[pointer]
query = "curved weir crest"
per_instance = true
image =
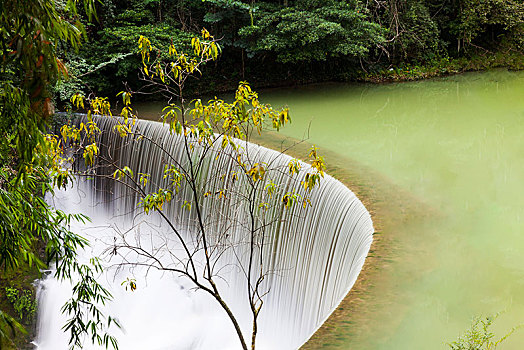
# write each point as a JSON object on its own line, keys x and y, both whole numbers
{"x": 314, "y": 255}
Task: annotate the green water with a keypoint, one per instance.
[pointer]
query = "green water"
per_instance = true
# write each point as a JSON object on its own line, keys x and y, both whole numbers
{"x": 457, "y": 145}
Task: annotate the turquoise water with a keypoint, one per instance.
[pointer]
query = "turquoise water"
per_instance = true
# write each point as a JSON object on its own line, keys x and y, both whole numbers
{"x": 457, "y": 145}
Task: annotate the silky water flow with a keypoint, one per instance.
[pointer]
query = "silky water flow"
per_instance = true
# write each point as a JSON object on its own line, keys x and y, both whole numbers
{"x": 313, "y": 255}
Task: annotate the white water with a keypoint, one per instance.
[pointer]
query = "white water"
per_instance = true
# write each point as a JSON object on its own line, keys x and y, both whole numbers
{"x": 316, "y": 255}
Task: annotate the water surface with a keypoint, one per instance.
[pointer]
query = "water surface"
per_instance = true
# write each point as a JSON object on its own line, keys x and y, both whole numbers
{"x": 456, "y": 144}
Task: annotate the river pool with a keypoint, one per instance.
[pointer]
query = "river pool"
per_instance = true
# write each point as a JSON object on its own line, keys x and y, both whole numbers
{"x": 457, "y": 145}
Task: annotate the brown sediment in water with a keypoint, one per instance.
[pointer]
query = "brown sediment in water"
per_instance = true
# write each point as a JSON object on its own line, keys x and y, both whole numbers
{"x": 371, "y": 308}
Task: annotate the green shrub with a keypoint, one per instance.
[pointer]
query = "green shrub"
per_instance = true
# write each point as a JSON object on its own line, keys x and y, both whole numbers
{"x": 479, "y": 336}
{"x": 23, "y": 302}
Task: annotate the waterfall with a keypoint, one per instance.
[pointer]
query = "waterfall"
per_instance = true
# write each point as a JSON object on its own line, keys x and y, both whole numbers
{"x": 313, "y": 254}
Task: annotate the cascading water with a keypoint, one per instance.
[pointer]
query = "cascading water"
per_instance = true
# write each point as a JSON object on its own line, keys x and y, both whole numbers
{"x": 314, "y": 254}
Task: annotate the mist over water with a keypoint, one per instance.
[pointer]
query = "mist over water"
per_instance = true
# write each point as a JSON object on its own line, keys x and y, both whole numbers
{"x": 164, "y": 312}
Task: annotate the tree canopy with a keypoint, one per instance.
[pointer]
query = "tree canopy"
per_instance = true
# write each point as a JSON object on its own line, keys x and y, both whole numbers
{"x": 268, "y": 41}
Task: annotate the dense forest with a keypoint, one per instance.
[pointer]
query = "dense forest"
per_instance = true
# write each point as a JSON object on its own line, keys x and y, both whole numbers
{"x": 274, "y": 43}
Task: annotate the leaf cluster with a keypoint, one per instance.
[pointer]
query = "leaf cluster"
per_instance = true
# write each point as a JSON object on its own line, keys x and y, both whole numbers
{"x": 314, "y": 32}
{"x": 33, "y": 34}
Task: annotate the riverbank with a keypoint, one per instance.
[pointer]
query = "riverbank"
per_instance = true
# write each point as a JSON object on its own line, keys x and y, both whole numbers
{"x": 445, "y": 66}
{"x": 511, "y": 60}
{"x": 210, "y": 85}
